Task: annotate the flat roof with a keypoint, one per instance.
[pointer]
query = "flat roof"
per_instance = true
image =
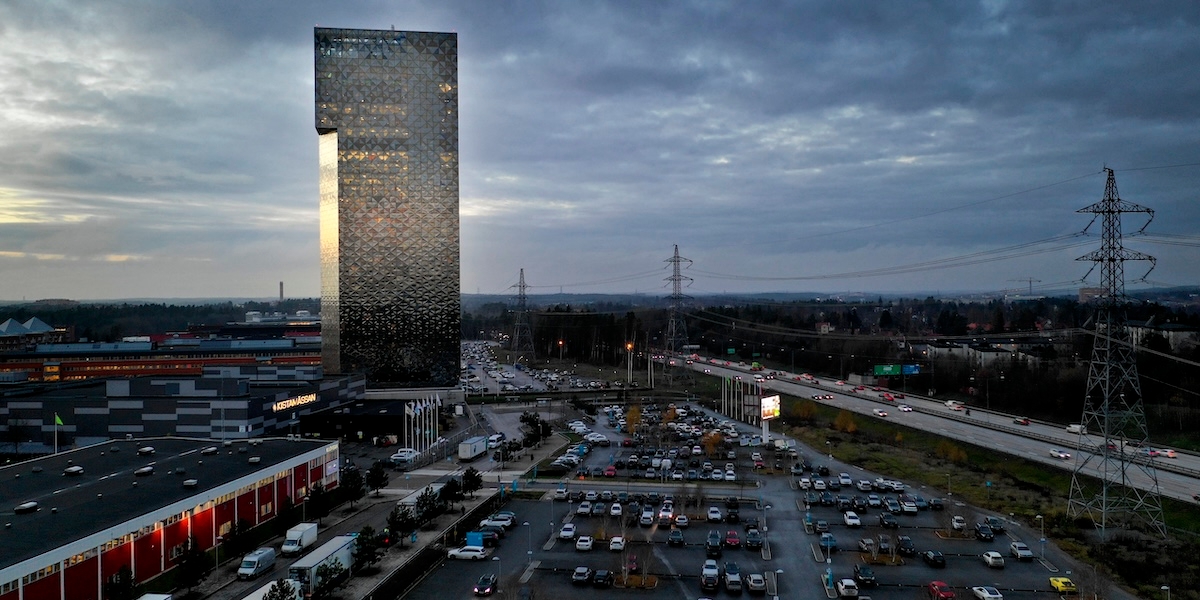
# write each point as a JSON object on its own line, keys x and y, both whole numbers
{"x": 108, "y": 495}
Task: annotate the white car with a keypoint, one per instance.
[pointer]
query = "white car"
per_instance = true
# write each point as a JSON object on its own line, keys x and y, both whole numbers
{"x": 846, "y": 588}
{"x": 584, "y": 543}
{"x": 585, "y": 508}
{"x": 879, "y": 412}
{"x": 567, "y": 532}
{"x": 851, "y": 519}
{"x": 1063, "y": 454}
{"x": 591, "y": 496}
{"x": 714, "y": 515}
{"x": 730, "y": 476}
{"x": 844, "y": 480}
{"x": 681, "y": 521}
{"x": 616, "y": 544}
{"x": 819, "y": 485}
{"x": 904, "y": 408}
{"x": 987, "y": 592}
{"x": 468, "y": 553}
{"x": 993, "y": 559}
{"x": 615, "y": 509}
{"x": 958, "y": 523}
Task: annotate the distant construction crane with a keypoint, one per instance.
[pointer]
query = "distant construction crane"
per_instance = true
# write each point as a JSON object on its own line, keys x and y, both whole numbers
{"x": 1031, "y": 282}
{"x": 1113, "y": 430}
{"x": 522, "y": 335}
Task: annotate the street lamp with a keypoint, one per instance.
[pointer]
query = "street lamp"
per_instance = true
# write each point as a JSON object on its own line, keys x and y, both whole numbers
{"x": 1167, "y": 589}
{"x": 778, "y": 575}
{"x": 629, "y": 362}
{"x": 948, "y": 492}
{"x": 529, "y": 552}
{"x": 1042, "y": 521}
{"x": 499, "y": 569}
{"x": 829, "y": 448}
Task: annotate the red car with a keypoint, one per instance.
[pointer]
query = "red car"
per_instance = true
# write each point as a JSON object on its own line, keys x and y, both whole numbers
{"x": 1021, "y": 420}
{"x": 888, "y": 397}
{"x": 877, "y": 389}
{"x": 940, "y": 590}
{"x": 901, "y": 396}
{"x": 628, "y": 443}
{"x": 610, "y": 471}
{"x": 732, "y": 540}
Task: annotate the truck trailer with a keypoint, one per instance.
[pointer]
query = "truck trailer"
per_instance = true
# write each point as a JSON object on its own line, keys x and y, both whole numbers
{"x": 261, "y": 592}
{"x": 339, "y": 550}
{"x": 472, "y": 448}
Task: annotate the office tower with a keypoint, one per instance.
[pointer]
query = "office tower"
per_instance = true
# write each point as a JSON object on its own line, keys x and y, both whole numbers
{"x": 387, "y": 120}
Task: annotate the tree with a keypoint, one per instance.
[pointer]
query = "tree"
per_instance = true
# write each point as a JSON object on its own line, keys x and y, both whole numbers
{"x": 472, "y": 481}
{"x": 428, "y": 506}
{"x": 328, "y": 576}
{"x": 402, "y": 522}
{"x": 191, "y": 565}
{"x": 237, "y": 541}
{"x": 451, "y": 492}
{"x": 366, "y": 547}
{"x": 281, "y": 590}
{"x": 353, "y": 486}
{"x": 317, "y": 502}
{"x": 377, "y": 477}
{"x": 845, "y": 422}
{"x": 120, "y": 586}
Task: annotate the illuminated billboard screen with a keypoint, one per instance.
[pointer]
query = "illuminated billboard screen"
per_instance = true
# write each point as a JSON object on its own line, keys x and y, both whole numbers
{"x": 770, "y": 408}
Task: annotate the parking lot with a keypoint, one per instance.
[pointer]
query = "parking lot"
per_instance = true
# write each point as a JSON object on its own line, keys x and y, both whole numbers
{"x": 792, "y": 561}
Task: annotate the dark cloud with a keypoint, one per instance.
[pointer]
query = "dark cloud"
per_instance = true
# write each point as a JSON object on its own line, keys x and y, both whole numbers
{"x": 788, "y": 138}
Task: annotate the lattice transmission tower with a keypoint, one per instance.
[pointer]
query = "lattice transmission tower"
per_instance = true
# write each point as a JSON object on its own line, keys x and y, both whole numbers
{"x": 1114, "y": 484}
{"x": 676, "y": 326}
{"x": 522, "y": 335}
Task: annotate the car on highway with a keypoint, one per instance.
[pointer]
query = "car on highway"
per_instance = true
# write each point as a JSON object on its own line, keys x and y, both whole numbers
{"x": 934, "y": 559}
{"x": 1063, "y": 585}
{"x": 486, "y": 585}
{"x": 993, "y": 559}
{"x": 879, "y": 412}
{"x": 1062, "y": 454}
{"x": 1021, "y": 420}
{"x": 582, "y": 576}
{"x": 986, "y": 592}
{"x": 584, "y": 543}
{"x": 468, "y": 553}
{"x": 905, "y": 408}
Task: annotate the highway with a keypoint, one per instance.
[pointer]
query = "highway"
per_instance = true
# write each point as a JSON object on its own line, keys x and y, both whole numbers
{"x": 1178, "y": 478}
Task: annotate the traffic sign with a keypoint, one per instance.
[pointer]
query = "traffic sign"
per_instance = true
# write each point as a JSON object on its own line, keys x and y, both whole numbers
{"x": 887, "y": 370}
{"x": 911, "y": 369}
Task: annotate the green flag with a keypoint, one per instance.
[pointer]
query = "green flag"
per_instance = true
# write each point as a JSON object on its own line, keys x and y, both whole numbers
{"x": 57, "y": 420}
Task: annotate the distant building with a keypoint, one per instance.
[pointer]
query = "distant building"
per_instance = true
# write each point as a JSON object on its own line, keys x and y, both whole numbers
{"x": 825, "y": 327}
{"x": 1089, "y": 294}
{"x": 387, "y": 120}
{"x": 16, "y": 336}
{"x": 1179, "y": 336}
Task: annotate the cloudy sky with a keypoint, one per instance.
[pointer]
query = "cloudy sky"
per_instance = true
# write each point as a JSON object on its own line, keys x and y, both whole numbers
{"x": 167, "y": 149}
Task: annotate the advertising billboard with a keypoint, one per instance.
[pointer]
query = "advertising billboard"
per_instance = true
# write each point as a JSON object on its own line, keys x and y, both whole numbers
{"x": 770, "y": 408}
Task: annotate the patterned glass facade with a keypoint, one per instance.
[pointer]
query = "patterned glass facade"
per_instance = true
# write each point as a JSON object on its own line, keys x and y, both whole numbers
{"x": 387, "y": 120}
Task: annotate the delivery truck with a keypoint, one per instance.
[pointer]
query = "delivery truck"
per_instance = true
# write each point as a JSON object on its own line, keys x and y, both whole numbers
{"x": 472, "y": 448}
{"x": 299, "y": 538}
{"x": 339, "y": 550}
{"x": 260, "y": 593}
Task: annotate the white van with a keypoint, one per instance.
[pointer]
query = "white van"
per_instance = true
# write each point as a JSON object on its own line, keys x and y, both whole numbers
{"x": 256, "y": 563}
{"x": 1076, "y": 428}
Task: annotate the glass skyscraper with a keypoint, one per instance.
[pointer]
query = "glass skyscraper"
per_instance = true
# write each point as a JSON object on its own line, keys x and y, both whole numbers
{"x": 387, "y": 120}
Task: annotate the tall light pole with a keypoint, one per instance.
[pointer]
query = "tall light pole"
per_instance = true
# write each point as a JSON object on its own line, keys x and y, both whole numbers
{"x": 778, "y": 576}
{"x": 1167, "y": 589}
{"x": 499, "y": 569}
{"x": 1042, "y": 520}
{"x": 948, "y": 492}
{"x": 560, "y": 350}
{"x": 629, "y": 362}
{"x": 529, "y": 552}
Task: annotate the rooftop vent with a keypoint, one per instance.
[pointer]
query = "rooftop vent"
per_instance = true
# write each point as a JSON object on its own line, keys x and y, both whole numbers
{"x": 114, "y": 449}
{"x": 227, "y": 443}
{"x": 75, "y": 470}
{"x": 26, "y": 508}
{"x": 241, "y": 450}
{"x": 254, "y": 460}
{"x": 144, "y": 471}
{"x": 209, "y": 451}
{"x": 146, "y": 451}
{"x": 189, "y": 483}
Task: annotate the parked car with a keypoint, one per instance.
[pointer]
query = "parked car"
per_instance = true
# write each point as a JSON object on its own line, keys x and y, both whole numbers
{"x": 675, "y": 538}
{"x": 993, "y": 559}
{"x": 934, "y": 559}
{"x": 987, "y": 592}
{"x": 584, "y": 543}
{"x": 756, "y": 584}
{"x": 582, "y": 576}
{"x": 468, "y": 553}
{"x": 567, "y": 532}
{"x": 828, "y": 543}
{"x": 958, "y": 523}
{"x": 905, "y": 546}
{"x": 616, "y": 544}
{"x": 1020, "y": 551}
{"x": 732, "y": 540}
{"x": 603, "y": 579}
{"x": 850, "y": 518}
{"x": 714, "y": 515}
{"x": 984, "y": 533}
{"x": 1063, "y": 585}
{"x": 864, "y": 575}
{"x": 888, "y": 520}
{"x": 847, "y": 588}
{"x": 754, "y": 539}
{"x": 939, "y": 590}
